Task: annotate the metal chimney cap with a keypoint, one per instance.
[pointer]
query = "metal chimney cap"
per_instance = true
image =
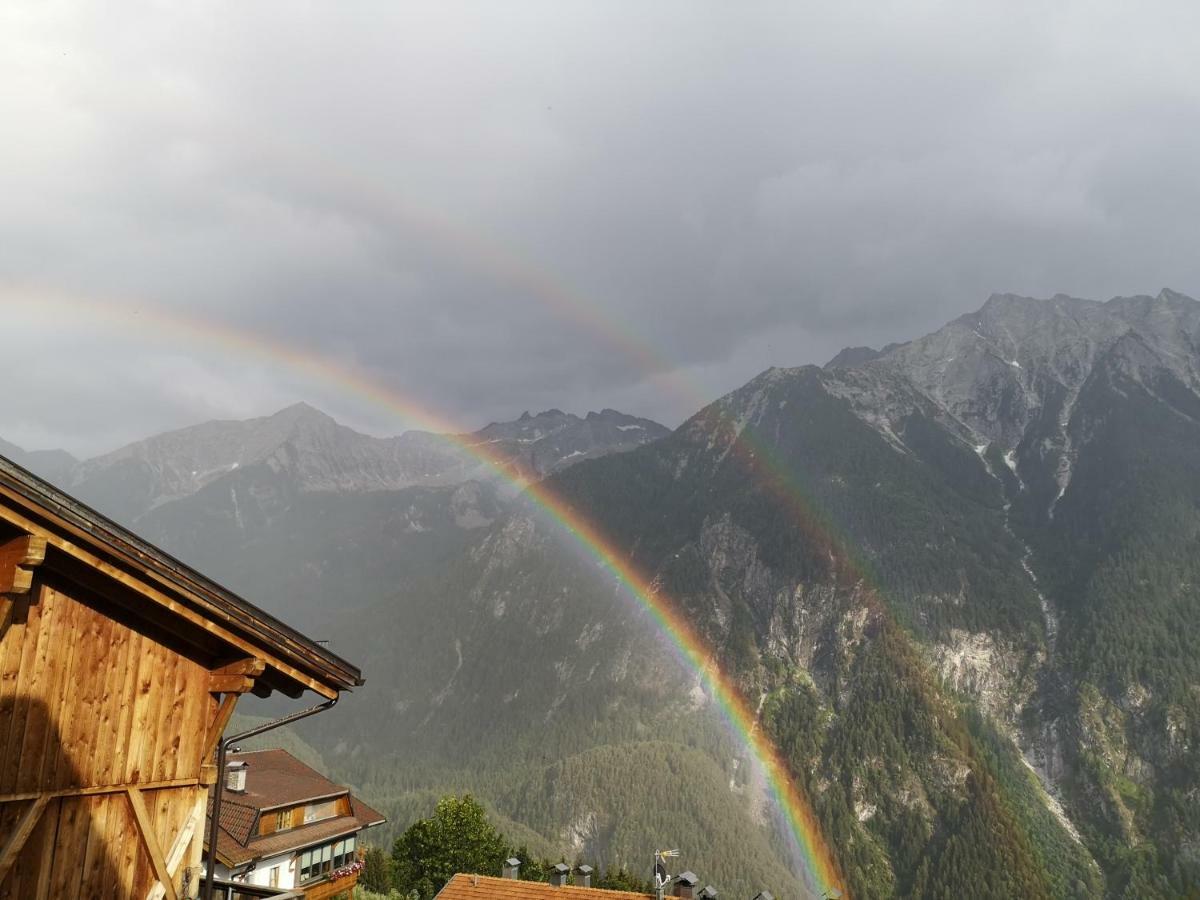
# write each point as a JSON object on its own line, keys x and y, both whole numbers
{"x": 562, "y": 868}
{"x": 513, "y": 861}
{"x": 688, "y": 878}
{"x": 709, "y": 893}
{"x": 584, "y": 870}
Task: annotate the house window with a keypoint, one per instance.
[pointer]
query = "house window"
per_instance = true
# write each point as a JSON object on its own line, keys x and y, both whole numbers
{"x": 283, "y": 819}
{"x": 320, "y": 861}
{"x": 315, "y": 812}
{"x": 273, "y": 878}
{"x": 343, "y": 852}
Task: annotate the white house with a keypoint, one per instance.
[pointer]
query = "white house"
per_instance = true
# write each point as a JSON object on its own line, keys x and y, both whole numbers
{"x": 285, "y": 825}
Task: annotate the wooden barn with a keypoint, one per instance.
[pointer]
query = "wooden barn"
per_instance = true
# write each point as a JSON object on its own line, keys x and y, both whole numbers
{"x": 119, "y": 669}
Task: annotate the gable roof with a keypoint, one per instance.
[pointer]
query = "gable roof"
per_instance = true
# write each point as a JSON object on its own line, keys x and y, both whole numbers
{"x": 83, "y": 543}
{"x": 275, "y": 778}
{"x": 483, "y": 887}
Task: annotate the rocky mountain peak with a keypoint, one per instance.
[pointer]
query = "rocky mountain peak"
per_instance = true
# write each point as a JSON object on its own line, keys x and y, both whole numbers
{"x": 852, "y": 356}
{"x": 313, "y": 452}
{"x": 1011, "y": 373}
{"x": 301, "y": 414}
{"x": 53, "y": 465}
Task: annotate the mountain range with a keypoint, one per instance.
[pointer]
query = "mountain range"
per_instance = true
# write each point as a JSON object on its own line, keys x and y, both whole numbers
{"x": 958, "y": 577}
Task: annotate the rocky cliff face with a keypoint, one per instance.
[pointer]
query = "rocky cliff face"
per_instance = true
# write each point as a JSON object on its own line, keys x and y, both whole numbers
{"x": 1011, "y": 373}
{"x": 1086, "y": 415}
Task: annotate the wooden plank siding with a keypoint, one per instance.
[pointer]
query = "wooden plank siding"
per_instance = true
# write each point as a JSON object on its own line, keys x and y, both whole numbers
{"x": 91, "y": 704}
{"x": 343, "y": 887}
{"x": 119, "y": 668}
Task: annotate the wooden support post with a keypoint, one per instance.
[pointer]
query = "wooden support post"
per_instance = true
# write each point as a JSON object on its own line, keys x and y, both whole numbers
{"x": 175, "y": 857}
{"x": 196, "y": 851}
{"x": 18, "y": 558}
{"x": 217, "y": 728}
{"x": 21, "y": 833}
{"x": 150, "y": 842}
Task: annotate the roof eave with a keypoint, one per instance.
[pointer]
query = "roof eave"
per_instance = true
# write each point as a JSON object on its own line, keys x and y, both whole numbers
{"x": 80, "y": 531}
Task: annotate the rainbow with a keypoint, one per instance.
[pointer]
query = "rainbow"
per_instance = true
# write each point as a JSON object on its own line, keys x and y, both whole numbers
{"x": 820, "y": 867}
{"x": 382, "y": 205}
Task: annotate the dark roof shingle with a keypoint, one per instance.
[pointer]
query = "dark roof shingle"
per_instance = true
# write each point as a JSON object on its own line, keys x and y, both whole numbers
{"x": 275, "y": 778}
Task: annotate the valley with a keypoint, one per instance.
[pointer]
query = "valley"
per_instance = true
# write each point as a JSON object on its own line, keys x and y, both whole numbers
{"x": 955, "y": 580}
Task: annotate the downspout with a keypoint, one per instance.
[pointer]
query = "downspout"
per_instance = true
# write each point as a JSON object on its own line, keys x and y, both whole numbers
{"x": 210, "y": 866}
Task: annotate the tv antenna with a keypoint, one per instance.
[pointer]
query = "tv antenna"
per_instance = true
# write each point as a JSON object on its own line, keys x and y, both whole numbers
{"x": 661, "y": 877}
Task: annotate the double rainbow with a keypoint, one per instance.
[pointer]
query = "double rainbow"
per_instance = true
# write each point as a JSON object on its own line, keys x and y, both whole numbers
{"x": 820, "y": 867}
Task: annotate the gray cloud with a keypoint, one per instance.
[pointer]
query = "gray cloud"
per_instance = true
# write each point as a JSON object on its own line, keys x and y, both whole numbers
{"x": 496, "y": 207}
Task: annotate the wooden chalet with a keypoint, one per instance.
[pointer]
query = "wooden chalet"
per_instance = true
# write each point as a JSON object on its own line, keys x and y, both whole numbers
{"x": 119, "y": 670}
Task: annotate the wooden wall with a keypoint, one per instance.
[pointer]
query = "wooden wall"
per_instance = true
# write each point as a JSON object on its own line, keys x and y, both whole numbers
{"x": 103, "y": 726}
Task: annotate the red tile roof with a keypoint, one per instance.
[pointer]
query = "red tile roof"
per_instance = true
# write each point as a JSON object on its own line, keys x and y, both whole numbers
{"x": 482, "y": 887}
{"x": 275, "y": 778}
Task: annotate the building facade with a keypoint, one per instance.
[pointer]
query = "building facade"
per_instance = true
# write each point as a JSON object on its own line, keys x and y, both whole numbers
{"x": 284, "y": 825}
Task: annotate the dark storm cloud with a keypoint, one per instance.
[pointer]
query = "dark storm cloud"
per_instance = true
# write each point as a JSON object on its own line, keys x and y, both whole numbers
{"x": 508, "y": 206}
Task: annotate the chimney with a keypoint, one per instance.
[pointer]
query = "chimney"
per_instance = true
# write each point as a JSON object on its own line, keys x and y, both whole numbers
{"x": 511, "y": 869}
{"x": 685, "y": 885}
{"x": 709, "y": 893}
{"x": 558, "y": 874}
{"x": 584, "y": 878}
{"x": 235, "y": 777}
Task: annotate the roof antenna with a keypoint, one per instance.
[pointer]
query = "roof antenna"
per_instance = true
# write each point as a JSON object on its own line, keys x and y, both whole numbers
{"x": 661, "y": 876}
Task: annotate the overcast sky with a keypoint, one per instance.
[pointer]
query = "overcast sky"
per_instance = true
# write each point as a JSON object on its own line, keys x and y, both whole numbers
{"x": 493, "y": 207}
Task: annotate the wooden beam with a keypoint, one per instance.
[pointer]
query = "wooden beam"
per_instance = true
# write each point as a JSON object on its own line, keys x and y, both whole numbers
{"x": 249, "y": 666}
{"x": 16, "y": 841}
{"x": 196, "y": 851}
{"x": 18, "y": 558}
{"x": 93, "y": 790}
{"x": 175, "y": 856}
{"x": 150, "y": 592}
{"x": 150, "y": 842}
{"x": 229, "y": 684}
{"x": 217, "y": 728}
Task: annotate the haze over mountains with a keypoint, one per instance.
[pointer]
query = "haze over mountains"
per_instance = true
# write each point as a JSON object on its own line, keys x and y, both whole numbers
{"x": 958, "y": 576}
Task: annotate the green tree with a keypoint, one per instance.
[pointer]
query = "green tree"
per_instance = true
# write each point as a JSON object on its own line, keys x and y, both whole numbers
{"x": 377, "y": 872}
{"x": 457, "y": 838}
{"x": 623, "y": 880}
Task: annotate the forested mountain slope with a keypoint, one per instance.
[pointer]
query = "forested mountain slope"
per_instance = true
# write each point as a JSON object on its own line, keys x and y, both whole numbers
{"x": 965, "y": 596}
{"x": 956, "y": 577}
